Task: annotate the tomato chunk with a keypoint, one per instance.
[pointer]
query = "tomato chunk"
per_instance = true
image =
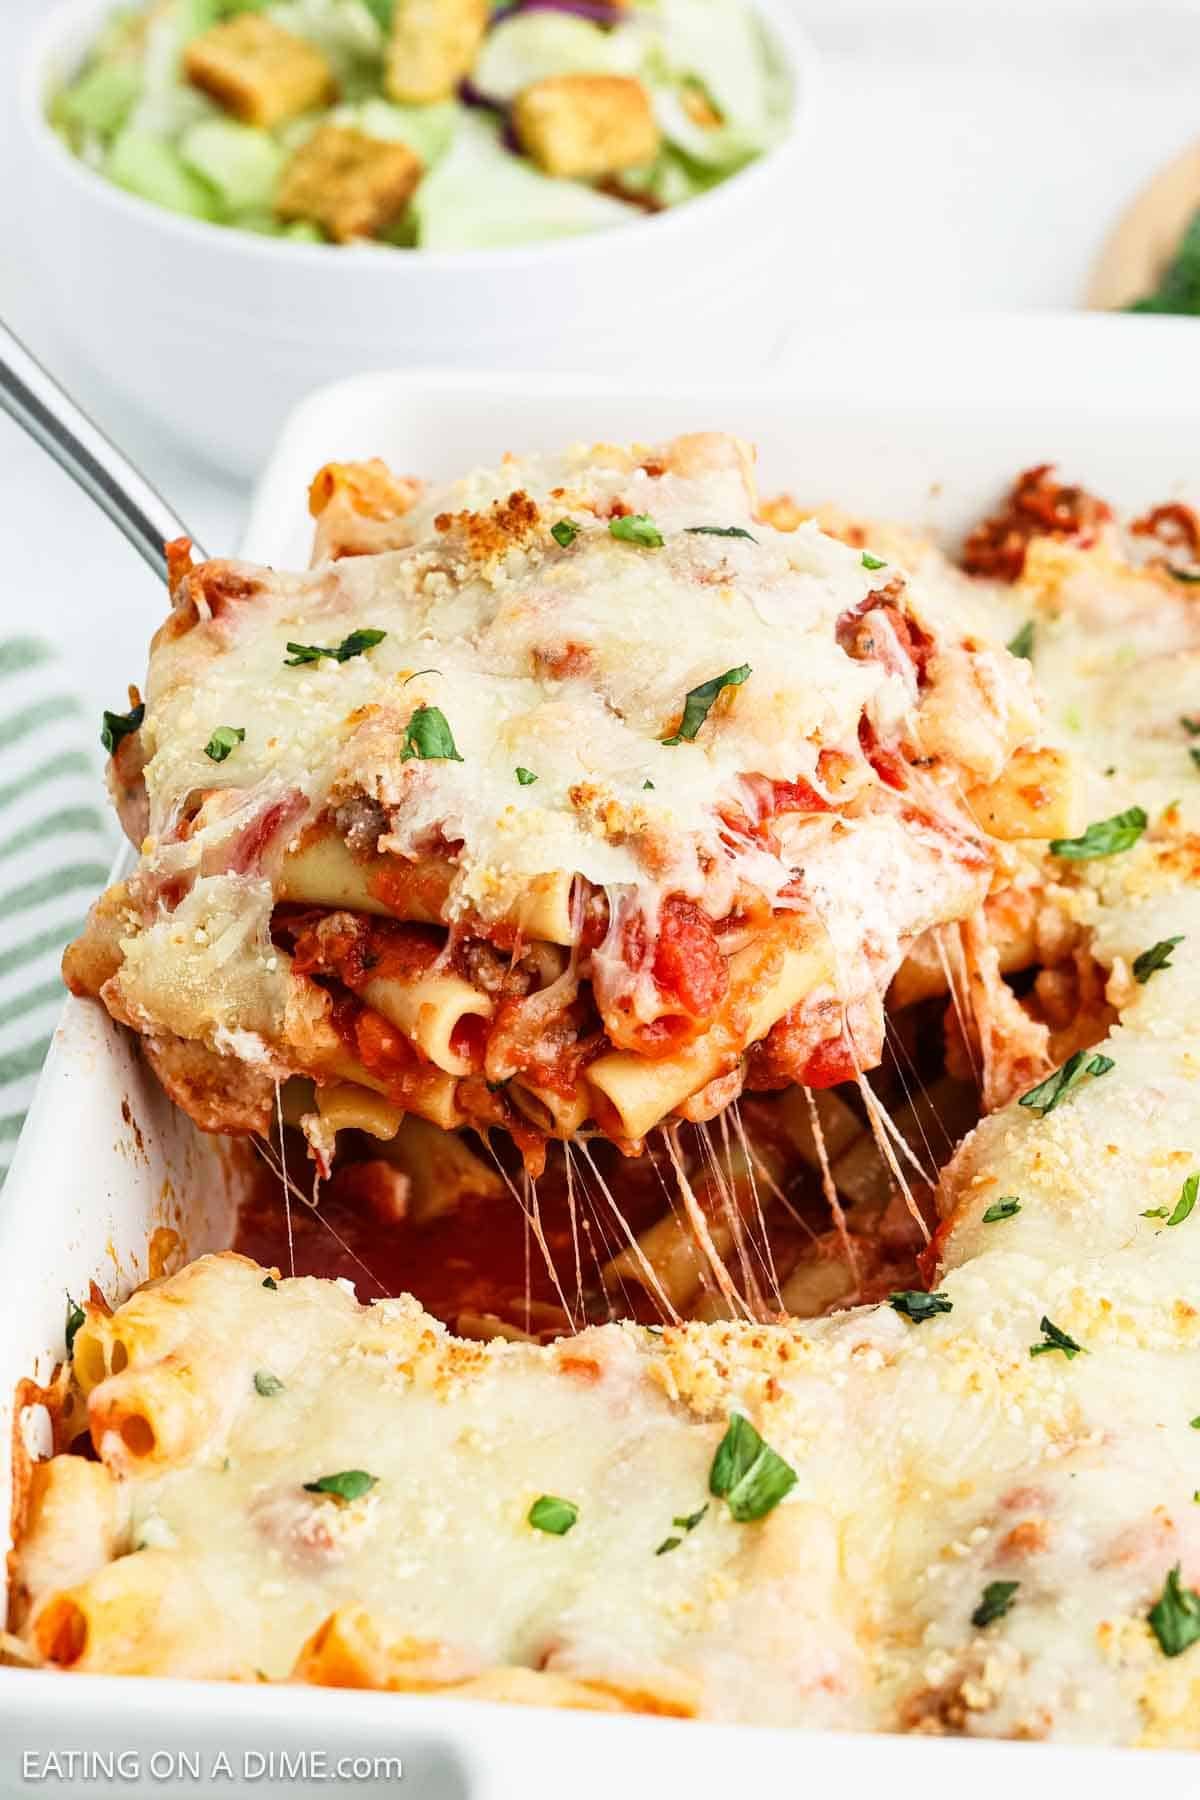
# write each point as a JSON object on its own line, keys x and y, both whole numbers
{"x": 688, "y": 964}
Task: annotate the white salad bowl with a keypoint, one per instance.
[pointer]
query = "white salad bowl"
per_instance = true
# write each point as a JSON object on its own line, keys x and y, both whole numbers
{"x": 216, "y": 333}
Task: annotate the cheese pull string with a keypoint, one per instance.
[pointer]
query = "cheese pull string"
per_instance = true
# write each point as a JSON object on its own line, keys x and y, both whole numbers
{"x": 30, "y": 395}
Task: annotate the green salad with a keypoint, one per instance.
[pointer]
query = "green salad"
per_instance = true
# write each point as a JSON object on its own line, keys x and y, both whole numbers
{"x": 425, "y": 124}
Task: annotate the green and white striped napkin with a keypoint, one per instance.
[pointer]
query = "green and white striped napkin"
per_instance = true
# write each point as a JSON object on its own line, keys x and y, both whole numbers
{"x": 56, "y": 845}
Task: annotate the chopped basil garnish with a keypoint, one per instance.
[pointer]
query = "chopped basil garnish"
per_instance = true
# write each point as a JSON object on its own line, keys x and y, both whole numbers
{"x": 429, "y": 737}
{"x": 1006, "y": 1208}
{"x": 116, "y": 726}
{"x": 995, "y": 1601}
{"x": 550, "y": 1514}
{"x": 1191, "y": 726}
{"x": 1195, "y": 1423}
{"x": 1158, "y": 956}
{"x": 1186, "y": 1200}
{"x": 1022, "y": 644}
{"x": 526, "y": 777}
{"x": 637, "y": 528}
{"x": 1175, "y": 1616}
{"x": 1049, "y": 1093}
{"x": 916, "y": 1305}
{"x": 720, "y": 531}
{"x": 1054, "y": 1339}
{"x": 224, "y": 739}
{"x": 646, "y": 784}
{"x": 75, "y": 1318}
{"x": 685, "y": 1522}
{"x": 1104, "y": 837}
{"x": 872, "y": 562}
{"x": 270, "y": 1282}
{"x": 747, "y": 1474}
{"x": 1194, "y": 753}
{"x": 1154, "y": 1212}
{"x": 697, "y": 703}
{"x": 1188, "y": 575}
{"x": 347, "y": 1484}
{"x": 267, "y": 1384}
{"x": 564, "y": 533}
{"x": 354, "y": 645}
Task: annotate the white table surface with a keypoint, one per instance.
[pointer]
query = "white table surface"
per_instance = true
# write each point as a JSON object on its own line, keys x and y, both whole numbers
{"x": 970, "y": 155}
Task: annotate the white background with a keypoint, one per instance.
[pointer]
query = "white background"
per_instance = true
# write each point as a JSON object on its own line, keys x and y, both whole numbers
{"x": 969, "y": 155}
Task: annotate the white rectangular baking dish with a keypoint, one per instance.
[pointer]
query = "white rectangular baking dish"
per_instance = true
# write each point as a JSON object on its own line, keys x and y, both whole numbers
{"x": 926, "y": 423}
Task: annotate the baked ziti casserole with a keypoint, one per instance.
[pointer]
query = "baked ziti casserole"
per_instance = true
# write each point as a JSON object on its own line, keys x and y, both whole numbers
{"x": 719, "y": 979}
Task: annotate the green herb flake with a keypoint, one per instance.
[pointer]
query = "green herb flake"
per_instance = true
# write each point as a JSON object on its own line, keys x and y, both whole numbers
{"x": 1186, "y": 1200}
{"x": 75, "y": 1318}
{"x": 1175, "y": 1616}
{"x": 552, "y": 1515}
{"x": 526, "y": 777}
{"x": 354, "y": 645}
{"x": 347, "y": 1484}
{"x": 1022, "y": 644}
{"x": 747, "y": 1474}
{"x": 1154, "y": 1212}
{"x": 1054, "y": 1339}
{"x": 1194, "y": 753}
{"x": 116, "y": 726}
{"x": 224, "y": 739}
{"x": 698, "y": 701}
{"x": 637, "y": 528}
{"x": 917, "y": 1306}
{"x": 429, "y": 737}
{"x": 1104, "y": 837}
{"x": 1188, "y": 576}
{"x": 1007, "y": 1207}
{"x": 683, "y": 1522}
{"x": 1050, "y": 1093}
{"x": 726, "y": 531}
{"x": 1158, "y": 956}
{"x": 1195, "y": 1423}
{"x": 267, "y": 1384}
{"x": 1191, "y": 726}
{"x": 872, "y": 562}
{"x": 997, "y": 1599}
{"x": 270, "y": 1282}
{"x": 564, "y": 533}
{"x": 647, "y": 784}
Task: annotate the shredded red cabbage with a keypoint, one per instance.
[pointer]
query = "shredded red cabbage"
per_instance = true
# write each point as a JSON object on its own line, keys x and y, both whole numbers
{"x": 594, "y": 10}
{"x": 470, "y": 95}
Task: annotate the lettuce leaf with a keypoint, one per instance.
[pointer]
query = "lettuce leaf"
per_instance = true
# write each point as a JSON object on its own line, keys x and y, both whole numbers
{"x": 534, "y": 45}
{"x": 240, "y": 162}
{"x": 151, "y": 168}
{"x": 480, "y": 197}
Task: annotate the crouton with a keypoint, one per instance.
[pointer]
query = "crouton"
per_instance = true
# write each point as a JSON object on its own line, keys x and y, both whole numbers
{"x": 351, "y": 184}
{"x": 257, "y": 71}
{"x": 433, "y": 46}
{"x": 586, "y": 126}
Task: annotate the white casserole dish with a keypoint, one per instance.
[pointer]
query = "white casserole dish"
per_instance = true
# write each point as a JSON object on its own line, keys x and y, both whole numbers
{"x": 216, "y": 333}
{"x": 944, "y": 416}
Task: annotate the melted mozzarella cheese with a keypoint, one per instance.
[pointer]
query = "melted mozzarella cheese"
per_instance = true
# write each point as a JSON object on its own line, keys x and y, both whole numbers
{"x": 932, "y": 1459}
